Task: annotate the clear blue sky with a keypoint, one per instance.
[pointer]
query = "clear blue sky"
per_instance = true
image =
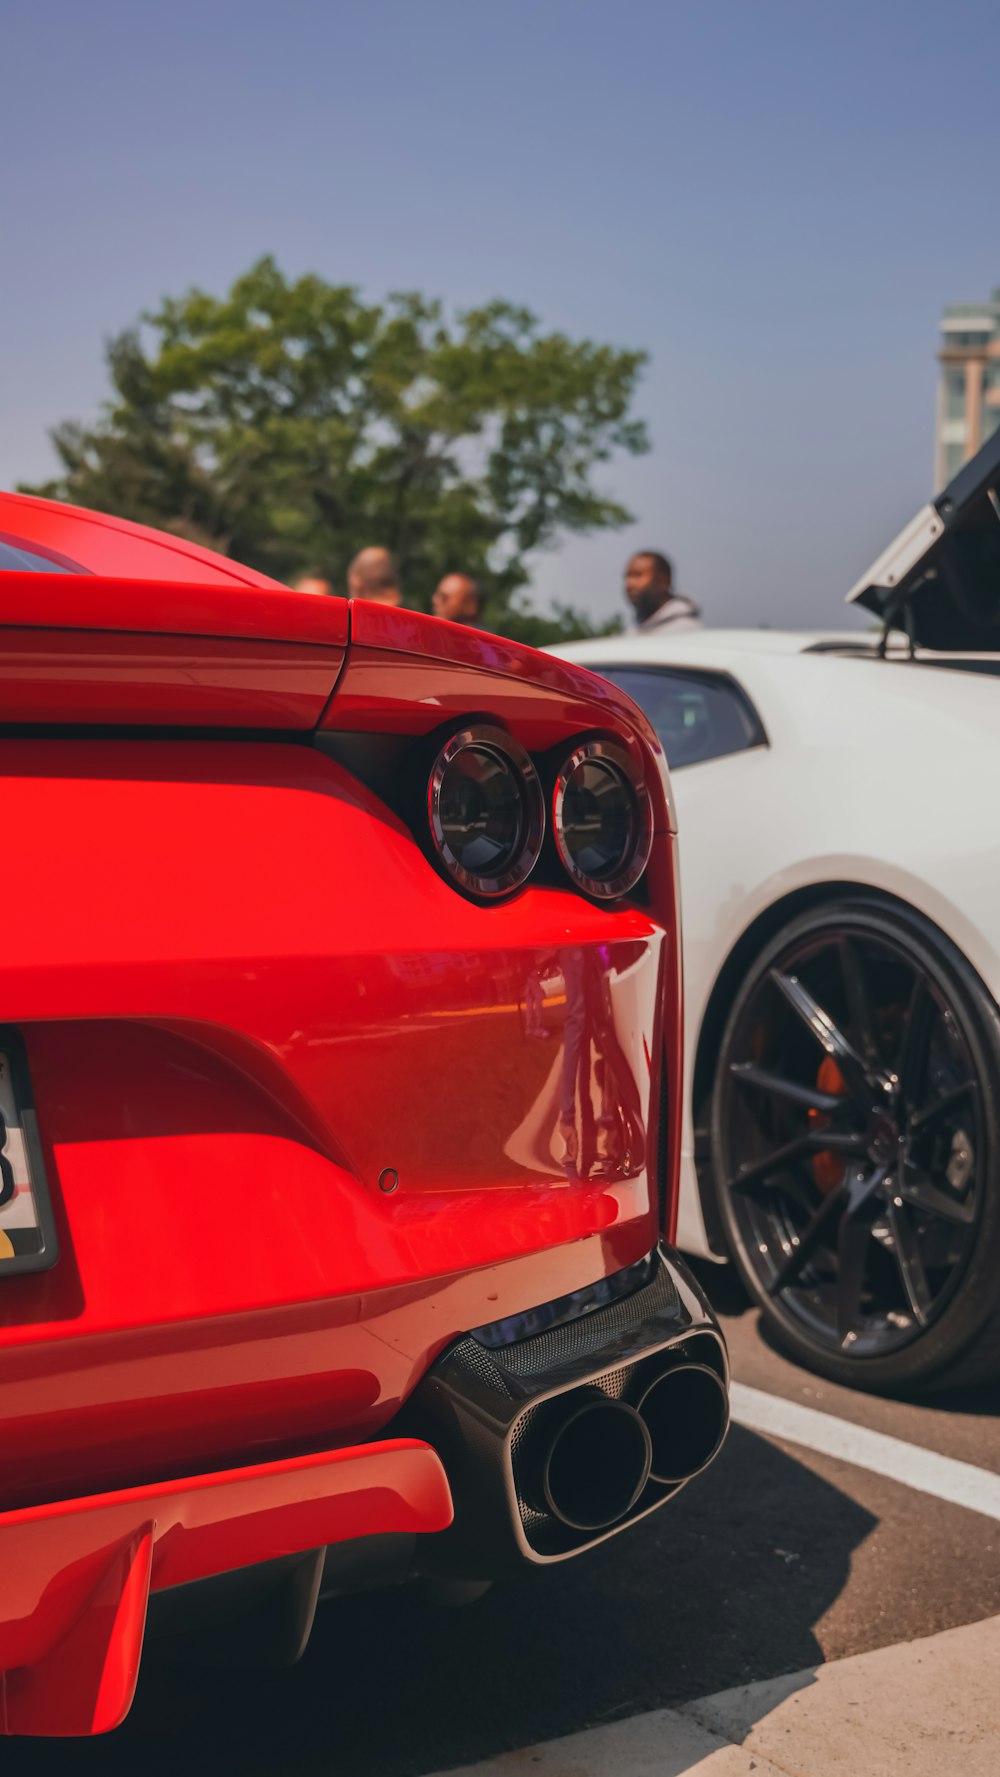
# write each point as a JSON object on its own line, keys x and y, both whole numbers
{"x": 775, "y": 199}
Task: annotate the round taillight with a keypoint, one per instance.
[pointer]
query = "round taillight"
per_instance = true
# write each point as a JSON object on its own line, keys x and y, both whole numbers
{"x": 602, "y": 819}
{"x": 486, "y": 811}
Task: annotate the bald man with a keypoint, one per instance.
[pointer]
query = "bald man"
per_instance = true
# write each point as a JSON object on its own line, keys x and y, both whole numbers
{"x": 314, "y": 584}
{"x": 373, "y": 575}
{"x": 457, "y": 598}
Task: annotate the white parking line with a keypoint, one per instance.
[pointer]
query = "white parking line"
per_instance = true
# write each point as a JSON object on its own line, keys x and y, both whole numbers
{"x": 960, "y": 1483}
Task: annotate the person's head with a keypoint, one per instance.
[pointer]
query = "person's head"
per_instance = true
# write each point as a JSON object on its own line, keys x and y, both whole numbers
{"x": 373, "y": 575}
{"x": 315, "y": 584}
{"x": 648, "y": 582}
{"x": 457, "y": 598}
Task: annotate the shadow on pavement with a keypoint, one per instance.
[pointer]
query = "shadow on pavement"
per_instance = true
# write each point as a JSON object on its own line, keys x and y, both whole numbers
{"x": 982, "y": 1401}
{"x": 723, "y": 1587}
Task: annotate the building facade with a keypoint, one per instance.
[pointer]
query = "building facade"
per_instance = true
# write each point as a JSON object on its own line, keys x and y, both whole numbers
{"x": 969, "y": 387}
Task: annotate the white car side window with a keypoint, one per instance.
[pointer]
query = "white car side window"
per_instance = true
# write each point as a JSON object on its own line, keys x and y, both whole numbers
{"x": 697, "y": 715}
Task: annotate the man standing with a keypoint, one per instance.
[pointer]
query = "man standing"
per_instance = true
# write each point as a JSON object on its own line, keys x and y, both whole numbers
{"x": 373, "y": 575}
{"x": 649, "y": 589}
{"x": 457, "y": 597}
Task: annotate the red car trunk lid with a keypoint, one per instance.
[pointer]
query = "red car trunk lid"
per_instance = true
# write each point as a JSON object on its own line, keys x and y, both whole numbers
{"x": 87, "y": 648}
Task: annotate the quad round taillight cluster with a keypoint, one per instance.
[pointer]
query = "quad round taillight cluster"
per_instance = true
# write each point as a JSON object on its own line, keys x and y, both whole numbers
{"x": 486, "y": 809}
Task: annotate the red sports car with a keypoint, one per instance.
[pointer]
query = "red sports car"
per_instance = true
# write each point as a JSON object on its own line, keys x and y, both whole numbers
{"x": 339, "y": 1081}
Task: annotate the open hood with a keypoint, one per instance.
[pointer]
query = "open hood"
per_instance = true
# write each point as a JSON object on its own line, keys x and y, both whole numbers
{"x": 940, "y": 579}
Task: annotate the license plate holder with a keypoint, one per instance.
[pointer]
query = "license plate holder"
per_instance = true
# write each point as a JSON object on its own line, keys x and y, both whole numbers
{"x": 27, "y": 1231}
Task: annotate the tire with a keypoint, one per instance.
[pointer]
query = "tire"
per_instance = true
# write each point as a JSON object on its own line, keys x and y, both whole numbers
{"x": 855, "y": 1148}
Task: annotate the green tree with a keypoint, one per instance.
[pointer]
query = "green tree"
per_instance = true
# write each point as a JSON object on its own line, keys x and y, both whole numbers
{"x": 288, "y": 424}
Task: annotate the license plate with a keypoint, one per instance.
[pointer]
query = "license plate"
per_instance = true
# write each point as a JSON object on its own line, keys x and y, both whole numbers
{"x": 27, "y": 1235}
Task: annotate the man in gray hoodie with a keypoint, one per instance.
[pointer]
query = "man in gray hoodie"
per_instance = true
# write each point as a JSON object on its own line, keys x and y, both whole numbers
{"x": 649, "y": 589}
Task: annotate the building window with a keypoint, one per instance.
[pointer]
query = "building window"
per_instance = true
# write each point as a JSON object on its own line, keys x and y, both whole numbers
{"x": 954, "y": 394}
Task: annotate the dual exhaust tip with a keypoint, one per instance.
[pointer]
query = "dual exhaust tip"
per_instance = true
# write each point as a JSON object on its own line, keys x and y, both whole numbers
{"x": 593, "y": 1463}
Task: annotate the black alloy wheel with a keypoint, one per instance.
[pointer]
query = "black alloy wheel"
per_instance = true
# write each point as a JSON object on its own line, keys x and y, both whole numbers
{"x": 855, "y": 1145}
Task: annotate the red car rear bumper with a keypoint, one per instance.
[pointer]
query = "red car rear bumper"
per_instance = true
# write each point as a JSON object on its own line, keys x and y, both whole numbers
{"x": 77, "y": 1574}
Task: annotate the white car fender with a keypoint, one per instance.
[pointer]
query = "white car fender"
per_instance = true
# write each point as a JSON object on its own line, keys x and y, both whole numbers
{"x": 748, "y": 858}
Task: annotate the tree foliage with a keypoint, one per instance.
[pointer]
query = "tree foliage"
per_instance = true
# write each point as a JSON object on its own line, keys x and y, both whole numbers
{"x": 289, "y": 423}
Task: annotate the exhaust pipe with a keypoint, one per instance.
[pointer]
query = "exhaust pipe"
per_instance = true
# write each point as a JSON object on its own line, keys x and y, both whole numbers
{"x": 554, "y": 1440}
{"x": 592, "y": 1464}
{"x": 686, "y": 1415}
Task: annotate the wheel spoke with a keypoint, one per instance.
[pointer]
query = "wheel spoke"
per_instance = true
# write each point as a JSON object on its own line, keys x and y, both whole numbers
{"x": 749, "y": 1176}
{"x": 852, "y": 968}
{"x": 810, "y": 1098}
{"x": 853, "y": 1237}
{"x": 913, "y": 1048}
{"x": 826, "y": 1033}
{"x": 841, "y": 1141}
{"x": 807, "y": 1243}
{"x": 920, "y": 1193}
{"x": 910, "y": 1262}
{"x": 931, "y": 1112}
{"x": 799, "y": 1185}
{"x": 811, "y": 1141}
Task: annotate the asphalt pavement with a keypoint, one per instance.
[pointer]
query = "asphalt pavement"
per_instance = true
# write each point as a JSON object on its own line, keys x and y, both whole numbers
{"x": 779, "y": 1559}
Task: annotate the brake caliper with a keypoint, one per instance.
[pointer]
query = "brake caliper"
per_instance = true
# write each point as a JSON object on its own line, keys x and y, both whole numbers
{"x": 828, "y": 1168}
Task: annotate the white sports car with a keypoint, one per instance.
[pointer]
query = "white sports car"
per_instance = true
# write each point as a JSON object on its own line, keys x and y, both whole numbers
{"x": 839, "y": 806}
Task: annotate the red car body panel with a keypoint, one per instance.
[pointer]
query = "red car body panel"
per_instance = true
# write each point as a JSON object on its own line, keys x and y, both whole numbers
{"x": 248, "y": 1002}
{"x": 80, "y": 1572}
{"x": 95, "y": 543}
{"x": 82, "y": 648}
